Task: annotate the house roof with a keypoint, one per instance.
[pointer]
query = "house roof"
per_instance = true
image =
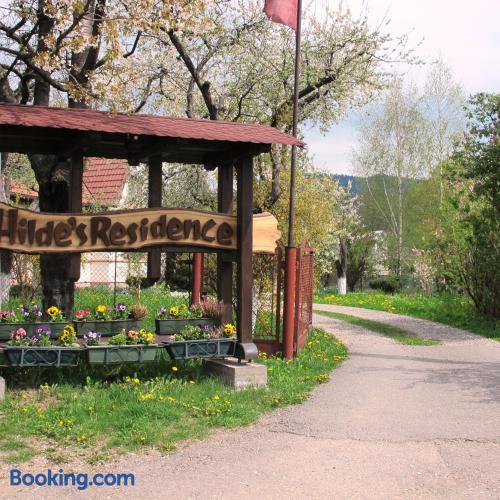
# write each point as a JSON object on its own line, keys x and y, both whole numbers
{"x": 103, "y": 182}
{"x": 42, "y": 129}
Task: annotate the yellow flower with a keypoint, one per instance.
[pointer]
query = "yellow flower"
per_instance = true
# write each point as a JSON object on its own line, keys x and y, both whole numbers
{"x": 53, "y": 311}
{"x": 174, "y": 368}
{"x": 229, "y": 329}
{"x": 216, "y": 397}
{"x": 101, "y": 308}
{"x": 136, "y": 381}
{"x": 173, "y": 311}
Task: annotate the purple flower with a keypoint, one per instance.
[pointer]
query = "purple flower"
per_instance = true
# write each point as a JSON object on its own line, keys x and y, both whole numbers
{"x": 205, "y": 328}
{"x": 43, "y": 330}
{"x": 121, "y": 307}
{"x": 35, "y": 339}
{"x": 163, "y": 310}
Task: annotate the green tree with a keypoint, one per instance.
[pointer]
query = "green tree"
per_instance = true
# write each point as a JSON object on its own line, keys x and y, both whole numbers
{"x": 469, "y": 244}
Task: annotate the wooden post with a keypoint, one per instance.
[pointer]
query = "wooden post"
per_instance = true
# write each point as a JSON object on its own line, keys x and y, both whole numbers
{"x": 75, "y": 205}
{"x": 224, "y": 261}
{"x": 154, "y": 200}
{"x": 245, "y": 250}
{"x": 196, "y": 278}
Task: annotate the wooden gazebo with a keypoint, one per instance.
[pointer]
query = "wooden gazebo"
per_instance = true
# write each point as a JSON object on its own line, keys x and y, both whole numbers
{"x": 77, "y": 133}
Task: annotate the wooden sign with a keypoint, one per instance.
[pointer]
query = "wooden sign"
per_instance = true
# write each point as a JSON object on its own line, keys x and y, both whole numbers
{"x": 26, "y": 231}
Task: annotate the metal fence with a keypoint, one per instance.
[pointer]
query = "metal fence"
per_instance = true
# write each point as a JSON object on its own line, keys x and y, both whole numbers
{"x": 304, "y": 295}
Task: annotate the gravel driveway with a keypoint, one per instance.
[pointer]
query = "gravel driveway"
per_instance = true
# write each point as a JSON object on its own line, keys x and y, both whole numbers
{"x": 394, "y": 422}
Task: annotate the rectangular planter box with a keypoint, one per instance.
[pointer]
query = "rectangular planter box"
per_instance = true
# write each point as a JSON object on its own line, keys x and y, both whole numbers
{"x": 189, "y": 349}
{"x": 56, "y": 328}
{"x": 113, "y": 354}
{"x": 173, "y": 326}
{"x": 106, "y": 328}
{"x": 42, "y": 356}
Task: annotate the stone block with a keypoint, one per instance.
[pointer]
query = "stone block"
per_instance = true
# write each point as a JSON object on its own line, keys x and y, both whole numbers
{"x": 238, "y": 375}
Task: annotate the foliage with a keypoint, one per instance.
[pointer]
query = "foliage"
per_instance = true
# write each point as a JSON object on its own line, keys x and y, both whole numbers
{"x": 159, "y": 411}
{"x": 132, "y": 337}
{"x": 467, "y": 249}
{"x": 454, "y": 310}
{"x": 400, "y": 335}
{"x": 403, "y": 141}
{"x": 390, "y": 284}
{"x": 193, "y": 332}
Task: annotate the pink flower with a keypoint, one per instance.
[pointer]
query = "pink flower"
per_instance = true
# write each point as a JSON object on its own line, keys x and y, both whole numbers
{"x": 21, "y": 332}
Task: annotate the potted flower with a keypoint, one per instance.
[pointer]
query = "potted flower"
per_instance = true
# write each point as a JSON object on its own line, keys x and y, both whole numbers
{"x": 134, "y": 346}
{"x": 29, "y": 317}
{"x": 203, "y": 342}
{"x": 109, "y": 321}
{"x": 172, "y": 320}
{"x": 40, "y": 350}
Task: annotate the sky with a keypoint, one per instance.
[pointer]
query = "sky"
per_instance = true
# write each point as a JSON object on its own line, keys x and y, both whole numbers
{"x": 464, "y": 34}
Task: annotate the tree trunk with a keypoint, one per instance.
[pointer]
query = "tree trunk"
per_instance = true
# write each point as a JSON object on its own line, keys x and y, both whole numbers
{"x": 5, "y": 257}
{"x": 400, "y": 226}
{"x": 53, "y": 195}
{"x": 341, "y": 265}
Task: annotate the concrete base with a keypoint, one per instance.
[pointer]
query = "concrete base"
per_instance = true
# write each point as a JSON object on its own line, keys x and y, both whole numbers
{"x": 2, "y": 388}
{"x": 238, "y": 375}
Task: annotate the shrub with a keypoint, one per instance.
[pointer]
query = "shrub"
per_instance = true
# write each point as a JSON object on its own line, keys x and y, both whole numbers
{"x": 390, "y": 284}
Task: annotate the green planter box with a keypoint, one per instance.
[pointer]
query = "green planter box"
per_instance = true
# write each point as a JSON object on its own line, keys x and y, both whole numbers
{"x": 42, "y": 356}
{"x": 106, "y": 328}
{"x": 56, "y": 328}
{"x": 173, "y": 326}
{"x": 113, "y": 354}
{"x": 189, "y": 349}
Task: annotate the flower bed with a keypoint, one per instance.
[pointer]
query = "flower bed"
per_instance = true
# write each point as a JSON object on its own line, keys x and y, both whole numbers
{"x": 39, "y": 350}
{"x": 109, "y": 321}
{"x": 133, "y": 347}
{"x": 30, "y": 318}
{"x": 202, "y": 342}
{"x": 174, "y": 319}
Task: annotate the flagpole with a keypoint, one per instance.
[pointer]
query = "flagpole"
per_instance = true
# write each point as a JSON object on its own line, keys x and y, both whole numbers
{"x": 291, "y": 250}
{"x": 291, "y": 214}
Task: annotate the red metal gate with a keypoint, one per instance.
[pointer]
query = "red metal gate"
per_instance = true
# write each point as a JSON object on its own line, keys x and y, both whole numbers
{"x": 303, "y": 296}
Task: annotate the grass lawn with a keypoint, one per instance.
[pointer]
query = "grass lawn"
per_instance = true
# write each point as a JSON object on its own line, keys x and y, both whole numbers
{"x": 448, "y": 309}
{"x": 398, "y": 334}
{"x": 97, "y": 419}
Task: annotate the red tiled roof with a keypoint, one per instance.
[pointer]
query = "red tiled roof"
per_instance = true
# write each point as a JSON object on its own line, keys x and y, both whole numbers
{"x": 145, "y": 125}
{"x": 104, "y": 180}
{"x": 21, "y": 190}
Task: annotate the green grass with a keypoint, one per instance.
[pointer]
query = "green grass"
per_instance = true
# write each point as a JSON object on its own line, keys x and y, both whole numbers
{"x": 98, "y": 419}
{"x": 453, "y": 310}
{"x": 398, "y": 334}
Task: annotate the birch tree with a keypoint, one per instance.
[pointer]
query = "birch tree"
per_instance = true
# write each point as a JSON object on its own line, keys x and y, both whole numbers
{"x": 391, "y": 151}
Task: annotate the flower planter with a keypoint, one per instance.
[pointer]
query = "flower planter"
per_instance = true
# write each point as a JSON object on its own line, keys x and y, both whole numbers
{"x": 113, "y": 354}
{"x": 56, "y": 328}
{"x": 42, "y": 356}
{"x": 173, "y": 326}
{"x": 189, "y": 349}
{"x": 106, "y": 328}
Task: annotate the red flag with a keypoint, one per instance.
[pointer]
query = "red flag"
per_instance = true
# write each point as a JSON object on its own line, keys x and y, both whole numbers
{"x": 282, "y": 11}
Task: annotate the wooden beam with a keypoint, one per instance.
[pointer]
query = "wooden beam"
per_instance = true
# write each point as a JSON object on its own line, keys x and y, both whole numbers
{"x": 244, "y": 251}
{"x": 154, "y": 200}
{"x": 75, "y": 205}
{"x": 224, "y": 265}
